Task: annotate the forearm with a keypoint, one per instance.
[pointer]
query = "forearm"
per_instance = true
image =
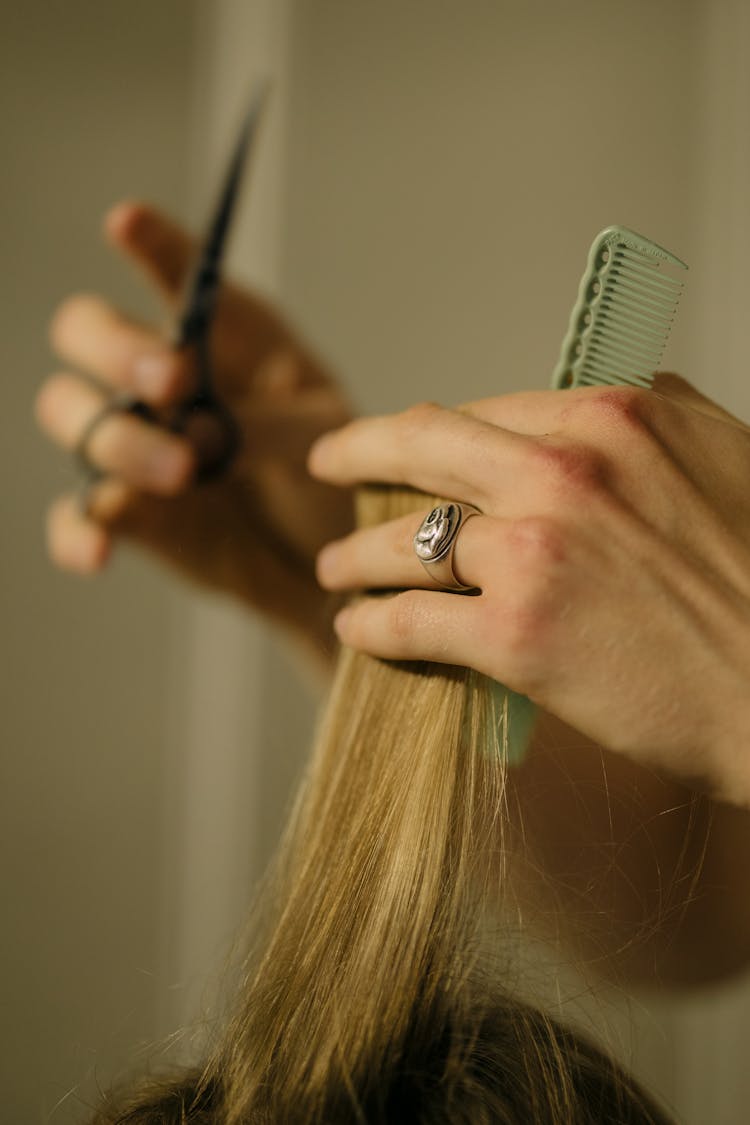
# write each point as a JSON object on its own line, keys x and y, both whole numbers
{"x": 646, "y": 878}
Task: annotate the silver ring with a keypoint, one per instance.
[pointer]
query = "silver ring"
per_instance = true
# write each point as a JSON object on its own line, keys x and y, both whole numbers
{"x": 435, "y": 542}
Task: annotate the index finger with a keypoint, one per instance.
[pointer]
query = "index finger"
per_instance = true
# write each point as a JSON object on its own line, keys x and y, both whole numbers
{"x": 248, "y": 328}
{"x": 160, "y": 248}
{"x": 442, "y": 452}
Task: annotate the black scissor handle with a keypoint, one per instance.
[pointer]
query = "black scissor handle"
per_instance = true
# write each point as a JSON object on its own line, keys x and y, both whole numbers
{"x": 118, "y": 404}
{"x": 201, "y": 417}
{"x": 214, "y": 429}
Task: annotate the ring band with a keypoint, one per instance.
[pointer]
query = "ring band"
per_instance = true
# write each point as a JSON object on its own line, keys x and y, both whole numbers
{"x": 118, "y": 404}
{"x": 435, "y": 542}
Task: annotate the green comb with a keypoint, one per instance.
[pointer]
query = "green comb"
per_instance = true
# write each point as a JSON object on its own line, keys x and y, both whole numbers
{"x": 621, "y": 320}
{"x": 618, "y": 330}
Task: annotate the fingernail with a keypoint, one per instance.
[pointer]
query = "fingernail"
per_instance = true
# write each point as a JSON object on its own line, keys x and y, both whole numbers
{"x": 151, "y": 372}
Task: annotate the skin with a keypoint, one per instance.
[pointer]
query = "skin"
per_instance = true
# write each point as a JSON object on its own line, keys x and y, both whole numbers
{"x": 606, "y": 514}
{"x": 613, "y": 560}
{"x": 612, "y": 555}
{"x": 254, "y": 533}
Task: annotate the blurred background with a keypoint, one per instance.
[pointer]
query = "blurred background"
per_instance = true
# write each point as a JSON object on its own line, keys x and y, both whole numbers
{"x": 427, "y": 188}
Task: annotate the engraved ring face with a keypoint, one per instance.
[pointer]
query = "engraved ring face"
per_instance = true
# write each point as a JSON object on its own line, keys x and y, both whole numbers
{"x": 436, "y": 539}
{"x": 435, "y": 536}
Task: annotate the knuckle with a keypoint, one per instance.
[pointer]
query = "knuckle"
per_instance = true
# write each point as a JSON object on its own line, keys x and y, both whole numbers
{"x": 402, "y": 616}
{"x": 535, "y": 598}
{"x": 529, "y": 611}
{"x": 410, "y": 425}
{"x": 570, "y": 466}
{"x": 617, "y": 407}
{"x": 537, "y": 543}
{"x": 419, "y": 415}
{"x": 524, "y": 626}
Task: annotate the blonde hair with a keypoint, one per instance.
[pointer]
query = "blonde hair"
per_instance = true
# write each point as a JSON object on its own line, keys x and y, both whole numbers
{"x": 374, "y": 994}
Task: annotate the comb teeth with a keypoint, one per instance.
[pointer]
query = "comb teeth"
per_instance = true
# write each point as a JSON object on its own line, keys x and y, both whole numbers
{"x": 620, "y": 322}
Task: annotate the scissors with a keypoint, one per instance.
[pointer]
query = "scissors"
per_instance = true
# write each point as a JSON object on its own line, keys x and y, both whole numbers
{"x": 203, "y": 415}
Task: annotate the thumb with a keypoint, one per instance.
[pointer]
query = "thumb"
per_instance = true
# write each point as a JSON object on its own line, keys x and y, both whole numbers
{"x": 157, "y": 245}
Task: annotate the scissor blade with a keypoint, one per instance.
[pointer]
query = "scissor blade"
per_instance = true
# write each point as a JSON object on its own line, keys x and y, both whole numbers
{"x": 201, "y": 294}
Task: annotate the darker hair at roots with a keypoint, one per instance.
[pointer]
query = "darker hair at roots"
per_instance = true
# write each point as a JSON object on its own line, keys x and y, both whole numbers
{"x": 372, "y": 992}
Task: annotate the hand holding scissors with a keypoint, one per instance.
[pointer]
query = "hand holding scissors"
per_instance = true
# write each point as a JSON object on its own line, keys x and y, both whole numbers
{"x": 238, "y": 512}
{"x": 202, "y": 415}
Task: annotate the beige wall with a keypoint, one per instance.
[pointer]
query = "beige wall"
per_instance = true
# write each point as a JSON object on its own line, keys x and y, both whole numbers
{"x": 450, "y": 165}
{"x": 94, "y": 105}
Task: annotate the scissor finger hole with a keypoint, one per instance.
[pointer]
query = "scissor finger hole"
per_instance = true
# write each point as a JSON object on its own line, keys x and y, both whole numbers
{"x": 110, "y": 439}
{"x": 123, "y": 443}
{"x": 213, "y": 435}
